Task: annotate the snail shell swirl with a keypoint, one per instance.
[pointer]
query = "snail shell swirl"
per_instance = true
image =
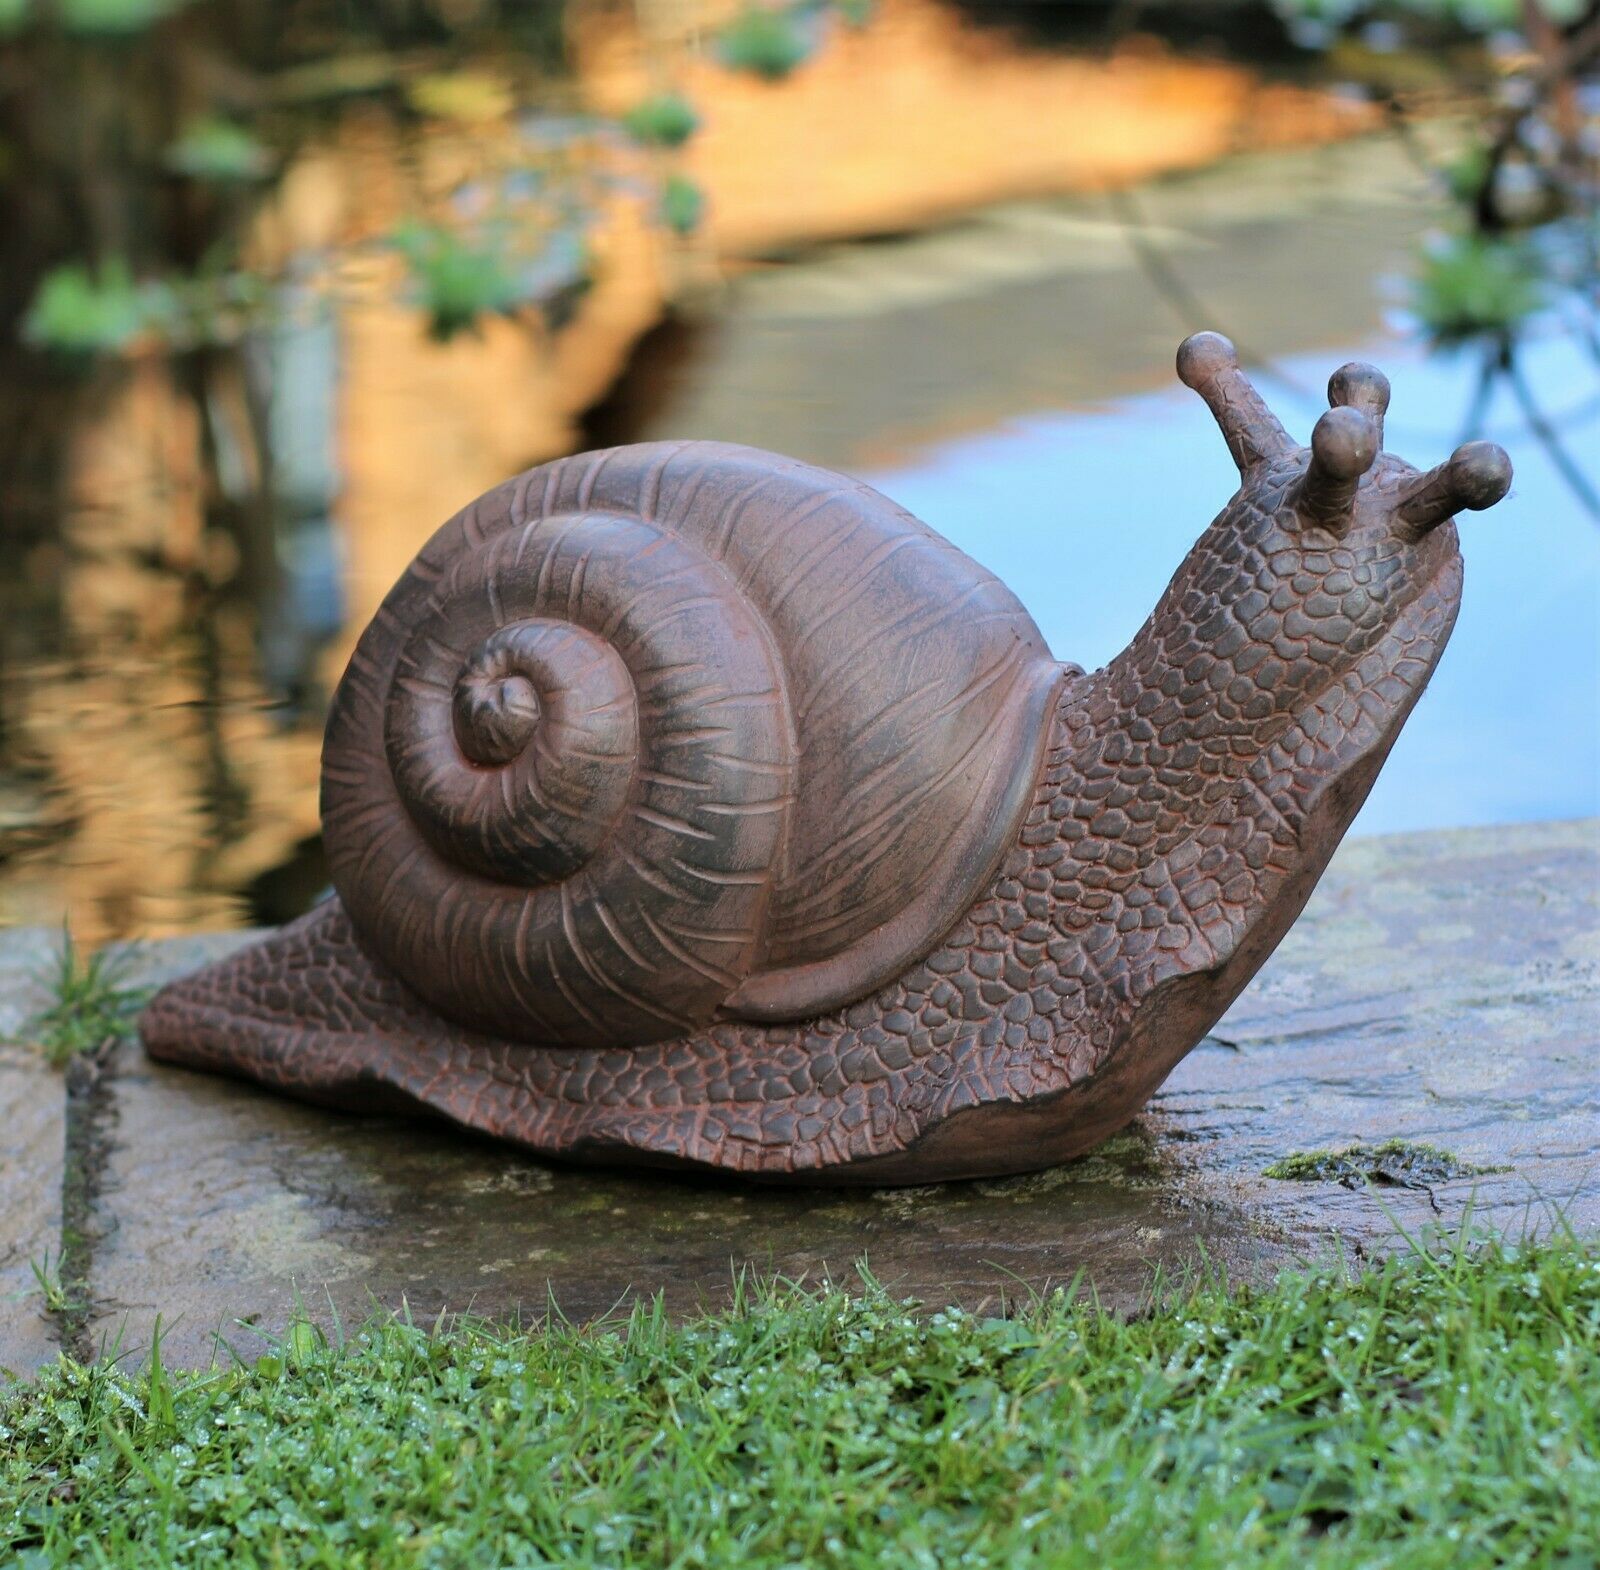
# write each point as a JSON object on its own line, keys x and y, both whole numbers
{"x": 516, "y": 798}
{"x": 676, "y": 730}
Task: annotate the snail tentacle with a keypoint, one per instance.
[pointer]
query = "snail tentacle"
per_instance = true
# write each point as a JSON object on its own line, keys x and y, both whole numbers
{"x": 1358, "y": 385}
{"x": 1476, "y": 475}
{"x": 1209, "y": 364}
{"x": 1343, "y": 446}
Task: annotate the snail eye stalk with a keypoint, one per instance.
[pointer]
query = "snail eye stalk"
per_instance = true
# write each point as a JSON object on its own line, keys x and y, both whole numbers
{"x": 1476, "y": 476}
{"x": 1209, "y": 364}
{"x": 1364, "y": 387}
{"x": 1343, "y": 447}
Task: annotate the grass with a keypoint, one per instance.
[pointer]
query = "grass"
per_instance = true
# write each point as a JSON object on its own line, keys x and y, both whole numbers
{"x": 48, "y": 1277}
{"x": 1442, "y": 1409}
{"x": 91, "y": 1004}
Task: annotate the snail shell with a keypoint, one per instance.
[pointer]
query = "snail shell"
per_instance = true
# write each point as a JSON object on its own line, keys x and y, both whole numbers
{"x": 676, "y": 732}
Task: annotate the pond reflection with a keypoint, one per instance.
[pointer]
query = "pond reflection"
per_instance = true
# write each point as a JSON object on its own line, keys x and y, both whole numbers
{"x": 1007, "y": 378}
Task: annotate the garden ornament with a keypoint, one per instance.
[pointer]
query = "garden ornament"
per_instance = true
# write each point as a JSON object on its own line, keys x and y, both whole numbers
{"x": 691, "y": 806}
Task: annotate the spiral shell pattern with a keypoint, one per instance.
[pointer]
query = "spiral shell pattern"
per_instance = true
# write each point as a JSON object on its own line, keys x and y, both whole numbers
{"x": 671, "y": 731}
{"x": 557, "y": 779}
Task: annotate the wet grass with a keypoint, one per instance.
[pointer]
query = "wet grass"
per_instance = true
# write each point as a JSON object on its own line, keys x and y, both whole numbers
{"x": 1441, "y": 1409}
{"x": 91, "y": 1004}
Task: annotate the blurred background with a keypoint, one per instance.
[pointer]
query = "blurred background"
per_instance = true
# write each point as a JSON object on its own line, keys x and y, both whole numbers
{"x": 286, "y": 282}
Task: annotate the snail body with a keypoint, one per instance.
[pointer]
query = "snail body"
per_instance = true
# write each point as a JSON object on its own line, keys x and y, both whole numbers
{"x": 689, "y": 805}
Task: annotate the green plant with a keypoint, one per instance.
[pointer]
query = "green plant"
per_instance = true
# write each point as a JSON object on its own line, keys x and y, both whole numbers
{"x": 305, "y": 1344}
{"x": 667, "y": 120}
{"x": 458, "y": 279}
{"x": 1465, "y": 173}
{"x": 91, "y": 1003}
{"x": 213, "y": 148}
{"x": 51, "y": 1290}
{"x": 767, "y": 42}
{"x": 113, "y": 18}
{"x": 82, "y": 311}
{"x": 225, "y": 96}
{"x": 683, "y": 204}
{"x": 1470, "y": 286}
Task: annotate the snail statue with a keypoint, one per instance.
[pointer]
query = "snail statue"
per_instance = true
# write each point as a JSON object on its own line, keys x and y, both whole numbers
{"x": 688, "y": 805}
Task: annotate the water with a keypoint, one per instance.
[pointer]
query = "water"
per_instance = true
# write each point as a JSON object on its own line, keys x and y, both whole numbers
{"x": 1510, "y": 727}
{"x": 1009, "y": 379}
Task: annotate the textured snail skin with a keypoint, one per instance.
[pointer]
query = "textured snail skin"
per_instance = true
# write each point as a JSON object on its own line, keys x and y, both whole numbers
{"x": 1187, "y": 799}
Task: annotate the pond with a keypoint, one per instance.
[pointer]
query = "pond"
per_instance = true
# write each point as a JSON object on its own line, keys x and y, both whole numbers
{"x": 1007, "y": 378}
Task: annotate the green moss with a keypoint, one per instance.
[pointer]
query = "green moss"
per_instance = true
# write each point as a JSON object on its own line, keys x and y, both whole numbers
{"x": 1398, "y": 1162}
{"x": 1127, "y": 1162}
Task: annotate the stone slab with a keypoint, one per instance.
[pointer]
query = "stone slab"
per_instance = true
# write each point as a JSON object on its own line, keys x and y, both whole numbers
{"x": 1442, "y": 988}
{"x": 32, "y": 1143}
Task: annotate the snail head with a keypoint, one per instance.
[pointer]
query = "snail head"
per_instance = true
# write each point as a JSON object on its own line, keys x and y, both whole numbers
{"x": 1326, "y": 545}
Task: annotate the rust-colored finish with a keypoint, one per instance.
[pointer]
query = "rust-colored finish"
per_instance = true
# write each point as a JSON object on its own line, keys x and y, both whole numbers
{"x": 689, "y": 805}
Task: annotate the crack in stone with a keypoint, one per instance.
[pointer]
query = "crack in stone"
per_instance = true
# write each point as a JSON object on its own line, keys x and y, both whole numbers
{"x": 89, "y": 1112}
